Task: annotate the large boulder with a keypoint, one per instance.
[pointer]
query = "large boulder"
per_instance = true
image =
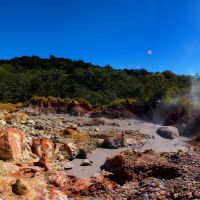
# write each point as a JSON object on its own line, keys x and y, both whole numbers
{"x": 168, "y": 132}
{"x": 114, "y": 142}
{"x": 11, "y": 142}
{"x": 45, "y": 149}
{"x": 131, "y": 165}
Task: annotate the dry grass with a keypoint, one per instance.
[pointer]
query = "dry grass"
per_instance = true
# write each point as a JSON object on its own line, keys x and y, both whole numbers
{"x": 76, "y": 136}
{"x": 127, "y": 101}
{"x": 10, "y": 106}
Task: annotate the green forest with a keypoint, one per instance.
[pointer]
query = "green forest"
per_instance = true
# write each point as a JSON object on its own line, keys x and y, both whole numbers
{"x": 21, "y": 78}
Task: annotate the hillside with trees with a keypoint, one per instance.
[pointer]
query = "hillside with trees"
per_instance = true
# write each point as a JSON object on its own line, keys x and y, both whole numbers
{"x": 21, "y": 78}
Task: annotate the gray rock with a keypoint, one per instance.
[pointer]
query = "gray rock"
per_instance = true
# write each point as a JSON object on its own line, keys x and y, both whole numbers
{"x": 114, "y": 142}
{"x": 68, "y": 166}
{"x": 30, "y": 123}
{"x": 87, "y": 162}
{"x": 168, "y": 132}
{"x": 130, "y": 142}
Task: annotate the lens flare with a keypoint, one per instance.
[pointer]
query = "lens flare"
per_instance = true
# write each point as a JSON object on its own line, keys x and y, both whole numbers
{"x": 149, "y": 52}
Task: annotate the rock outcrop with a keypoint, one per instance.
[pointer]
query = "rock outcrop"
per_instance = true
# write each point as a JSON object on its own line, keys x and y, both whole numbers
{"x": 45, "y": 149}
{"x": 11, "y": 141}
{"x": 151, "y": 175}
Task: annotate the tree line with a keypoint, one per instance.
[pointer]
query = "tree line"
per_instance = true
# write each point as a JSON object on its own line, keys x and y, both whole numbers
{"x": 21, "y": 78}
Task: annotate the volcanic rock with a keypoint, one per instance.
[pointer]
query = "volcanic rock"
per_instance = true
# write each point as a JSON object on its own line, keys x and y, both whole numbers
{"x": 71, "y": 150}
{"x": 72, "y": 126}
{"x": 68, "y": 166}
{"x": 79, "y": 139}
{"x": 3, "y": 124}
{"x": 73, "y": 186}
{"x": 168, "y": 132}
{"x": 131, "y": 165}
{"x": 20, "y": 187}
{"x": 45, "y": 149}
{"x": 11, "y": 141}
{"x": 86, "y": 162}
{"x": 114, "y": 142}
{"x": 57, "y": 194}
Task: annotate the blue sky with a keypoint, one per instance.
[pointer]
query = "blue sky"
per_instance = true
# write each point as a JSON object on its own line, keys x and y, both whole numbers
{"x": 152, "y": 34}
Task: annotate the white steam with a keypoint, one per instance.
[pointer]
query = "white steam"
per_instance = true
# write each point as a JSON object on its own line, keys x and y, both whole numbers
{"x": 195, "y": 90}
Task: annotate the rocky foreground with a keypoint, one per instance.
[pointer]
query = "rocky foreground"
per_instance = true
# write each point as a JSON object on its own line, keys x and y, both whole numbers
{"x": 36, "y": 152}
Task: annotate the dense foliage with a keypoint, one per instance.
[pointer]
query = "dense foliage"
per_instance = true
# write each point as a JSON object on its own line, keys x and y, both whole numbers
{"x": 22, "y": 78}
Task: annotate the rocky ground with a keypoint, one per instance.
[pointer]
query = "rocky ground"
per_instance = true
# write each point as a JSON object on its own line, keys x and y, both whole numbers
{"x": 151, "y": 175}
{"x": 58, "y": 156}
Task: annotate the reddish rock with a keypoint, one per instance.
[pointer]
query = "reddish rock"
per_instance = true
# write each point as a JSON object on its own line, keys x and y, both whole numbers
{"x": 90, "y": 186}
{"x": 60, "y": 179}
{"x": 71, "y": 150}
{"x": 45, "y": 149}
{"x": 11, "y": 141}
{"x": 74, "y": 187}
{"x": 132, "y": 165}
{"x": 106, "y": 183}
{"x": 55, "y": 194}
{"x": 81, "y": 184}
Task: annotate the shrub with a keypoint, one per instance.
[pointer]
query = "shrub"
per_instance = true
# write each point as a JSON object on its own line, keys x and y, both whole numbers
{"x": 119, "y": 102}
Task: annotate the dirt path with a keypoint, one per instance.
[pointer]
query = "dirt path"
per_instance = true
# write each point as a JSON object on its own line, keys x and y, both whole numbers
{"x": 99, "y": 155}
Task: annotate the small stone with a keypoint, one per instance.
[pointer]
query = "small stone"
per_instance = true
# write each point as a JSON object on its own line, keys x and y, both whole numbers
{"x": 20, "y": 187}
{"x": 60, "y": 123}
{"x": 129, "y": 142}
{"x": 31, "y": 122}
{"x": 3, "y": 123}
{"x": 99, "y": 142}
{"x": 87, "y": 162}
{"x": 61, "y": 157}
{"x": 72, "y": 126}
{"x": 71, "y": 150}
{"x": 68, "y": 166}
{"x": 114, "y": 142}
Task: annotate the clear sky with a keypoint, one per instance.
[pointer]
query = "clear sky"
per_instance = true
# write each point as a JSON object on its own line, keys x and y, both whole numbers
{"x": 151, "y": 34}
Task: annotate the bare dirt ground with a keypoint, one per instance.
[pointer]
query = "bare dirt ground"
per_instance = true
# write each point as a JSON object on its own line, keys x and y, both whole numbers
{"x": 98, "y": 156}
{"x": 39, "y": 149}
